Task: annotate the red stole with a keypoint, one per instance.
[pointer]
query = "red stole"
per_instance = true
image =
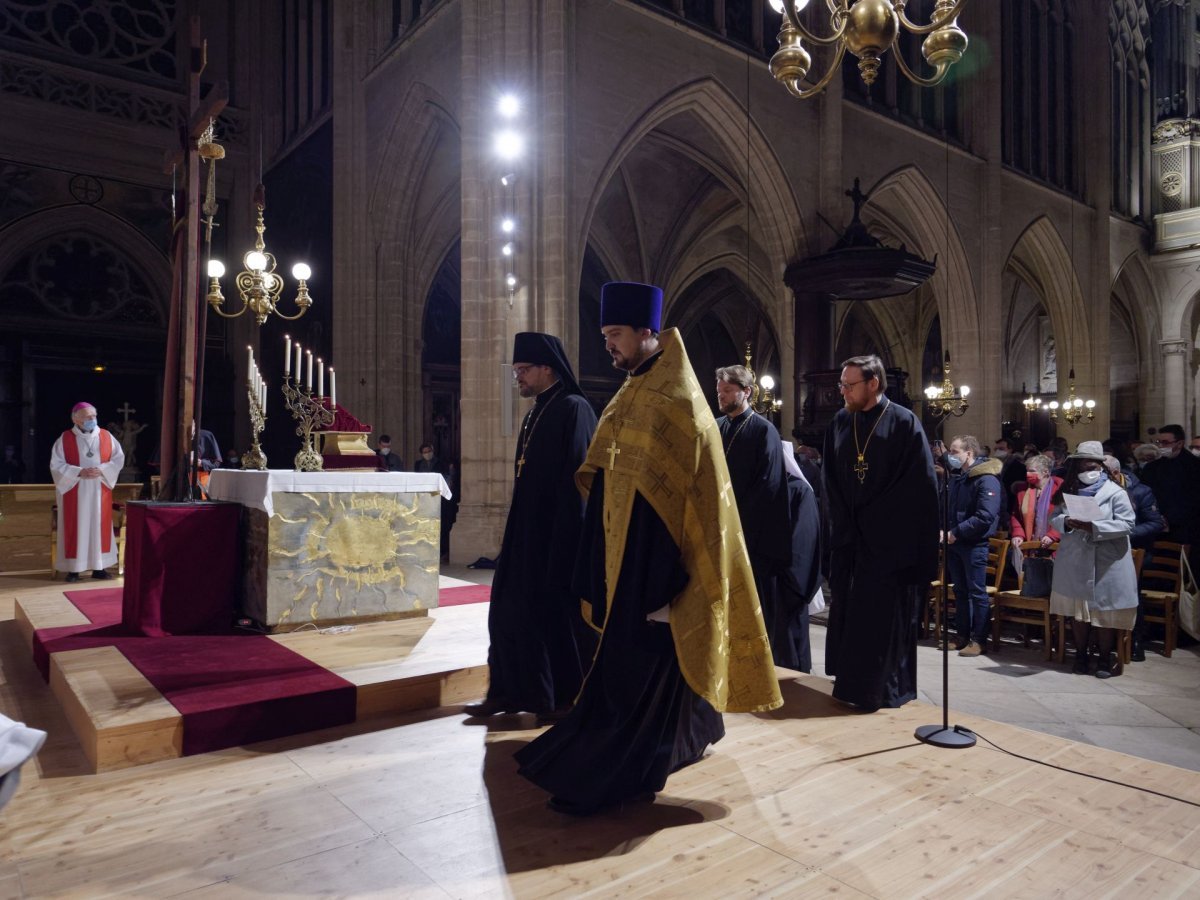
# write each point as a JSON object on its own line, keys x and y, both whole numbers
{"x": 70, "y": 500}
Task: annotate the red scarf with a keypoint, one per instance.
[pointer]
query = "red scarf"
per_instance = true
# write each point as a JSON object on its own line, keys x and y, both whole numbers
{"x": 70, "y": 500}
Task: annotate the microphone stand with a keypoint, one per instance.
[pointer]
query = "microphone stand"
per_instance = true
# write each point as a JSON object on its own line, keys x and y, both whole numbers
{"x": 945, "y": 402}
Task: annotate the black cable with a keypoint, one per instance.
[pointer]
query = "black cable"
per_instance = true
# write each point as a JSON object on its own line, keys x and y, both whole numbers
{"x": 1042, "y": 762}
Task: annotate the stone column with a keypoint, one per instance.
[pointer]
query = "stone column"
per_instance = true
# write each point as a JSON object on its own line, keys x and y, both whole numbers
{"x": 1175, "y": 382}
{"x": 530, "y": 60}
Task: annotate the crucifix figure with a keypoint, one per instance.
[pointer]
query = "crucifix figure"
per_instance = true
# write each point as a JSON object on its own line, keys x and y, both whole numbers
{"x": 613, "y": 452}
{"x": 860, "y": 469}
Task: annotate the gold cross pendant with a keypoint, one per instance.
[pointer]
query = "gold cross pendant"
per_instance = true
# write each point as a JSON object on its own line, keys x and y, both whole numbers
{"x": 860, "y": 469}
{"x": 613, "y": 451}
{"x": 520, "y": 465}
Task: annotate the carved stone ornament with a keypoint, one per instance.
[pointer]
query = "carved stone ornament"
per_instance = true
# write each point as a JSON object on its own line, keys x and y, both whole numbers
{"x": 1172, "y": 184}
{"x": 1172, "y": 129}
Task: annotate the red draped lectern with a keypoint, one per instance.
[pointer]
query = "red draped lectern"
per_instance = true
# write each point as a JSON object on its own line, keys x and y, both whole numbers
{"x": 181, "y": 567}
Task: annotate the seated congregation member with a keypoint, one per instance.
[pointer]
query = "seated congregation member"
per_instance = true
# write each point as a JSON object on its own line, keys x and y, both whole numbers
{"x": 1094, "y": 584}
{"x": 1148, "y": 525}
{"x": 974, "y": 511}
{"x": 663, "y": 577}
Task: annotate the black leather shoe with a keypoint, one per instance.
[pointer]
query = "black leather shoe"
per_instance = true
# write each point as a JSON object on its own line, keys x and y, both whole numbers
{"x": 101, "y": 575}
{"x": 72, "y": 577}
{"x": 1081, "y": 664}
{"x": 1137, "y": 653}
{"x": 487, "y": 708}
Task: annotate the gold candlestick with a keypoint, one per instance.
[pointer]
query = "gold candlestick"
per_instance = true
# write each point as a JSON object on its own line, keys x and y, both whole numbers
{"x": 254, "y": 458}
{"x": 310, "y": 412}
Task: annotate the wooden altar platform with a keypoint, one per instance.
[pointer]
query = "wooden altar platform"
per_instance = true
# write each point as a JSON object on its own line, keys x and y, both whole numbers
{"x": 397, "y": 666}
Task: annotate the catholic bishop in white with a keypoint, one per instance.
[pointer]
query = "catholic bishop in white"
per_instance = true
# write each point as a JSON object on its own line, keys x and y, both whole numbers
{"x": 84, "y": 463}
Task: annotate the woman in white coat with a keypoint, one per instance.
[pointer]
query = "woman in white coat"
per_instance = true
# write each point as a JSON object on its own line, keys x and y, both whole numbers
{"x": 1094, "y": 581}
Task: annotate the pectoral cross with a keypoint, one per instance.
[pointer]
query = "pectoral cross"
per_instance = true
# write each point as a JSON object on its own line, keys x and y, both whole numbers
{"x": 860, "y": 469}
{"x": 613, "y": 452}
{"x": 520, "y": 465}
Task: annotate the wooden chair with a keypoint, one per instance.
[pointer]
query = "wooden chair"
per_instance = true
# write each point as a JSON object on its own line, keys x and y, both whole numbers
{"x": 1011, "y": 606}
{"x": 1125, "y": 638}
{"x": 931, "y": 619}
{"x": 1160, "y": 585}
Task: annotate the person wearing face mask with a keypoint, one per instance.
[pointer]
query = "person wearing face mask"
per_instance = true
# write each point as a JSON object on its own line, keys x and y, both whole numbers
{"x": 1194, "y": 449}
{"x": 1175, "y": 479}
{"x": 1030, "y": 517}
{"x": 427, "y": 461}
{"x": 388, "y": 461}
{"x": 1094, "y": 582}
{"x": 84, "y": 464}
{"x": 974, "y": 487}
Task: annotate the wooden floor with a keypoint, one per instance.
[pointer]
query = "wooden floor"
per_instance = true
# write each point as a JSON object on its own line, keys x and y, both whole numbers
{"x": 811, "y": 800}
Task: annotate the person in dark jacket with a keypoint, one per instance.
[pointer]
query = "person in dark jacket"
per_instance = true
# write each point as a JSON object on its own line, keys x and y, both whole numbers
{"x": 974, "y": 514}
{"x": 1147, "y": 527}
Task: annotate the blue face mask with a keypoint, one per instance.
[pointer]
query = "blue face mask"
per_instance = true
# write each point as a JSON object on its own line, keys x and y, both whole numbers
{"x": 953, "y": 462}
{"x": 88, "y": 425}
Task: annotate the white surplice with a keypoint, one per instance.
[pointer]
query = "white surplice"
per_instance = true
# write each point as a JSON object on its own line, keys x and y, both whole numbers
{"x": 89, "y": 556}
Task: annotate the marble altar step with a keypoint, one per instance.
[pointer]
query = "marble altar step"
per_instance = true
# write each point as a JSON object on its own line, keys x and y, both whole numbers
{"x": 398, "y": 666}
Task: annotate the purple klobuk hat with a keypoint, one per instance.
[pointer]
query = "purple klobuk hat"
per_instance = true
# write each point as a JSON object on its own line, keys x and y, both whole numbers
{"x": 630, "y": 303}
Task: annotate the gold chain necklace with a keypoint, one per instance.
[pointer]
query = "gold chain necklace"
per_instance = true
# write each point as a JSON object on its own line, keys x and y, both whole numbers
{"x": 613, "y": 450}
{"x": 860, "y": 464}
{"x": 531, "y": 424}
{"x": 737, "y": 431}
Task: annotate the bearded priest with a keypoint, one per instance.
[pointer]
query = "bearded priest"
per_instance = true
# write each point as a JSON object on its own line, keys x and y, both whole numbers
{"x": 84, "y": 464}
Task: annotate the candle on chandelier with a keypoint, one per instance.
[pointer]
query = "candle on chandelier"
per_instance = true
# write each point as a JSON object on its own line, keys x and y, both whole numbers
{"x": 287, "y": 355}
{"x": 320, "y": 377}
{"x": 332, "y": 388}
{"x": 249, "y": 358}
{"x": 297, "y": 376}
{"x": 308, "y": 370}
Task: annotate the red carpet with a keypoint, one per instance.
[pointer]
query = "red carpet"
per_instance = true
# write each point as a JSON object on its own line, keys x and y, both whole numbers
{"x": 461, "y": 596}
{"x": 231, "y": 689}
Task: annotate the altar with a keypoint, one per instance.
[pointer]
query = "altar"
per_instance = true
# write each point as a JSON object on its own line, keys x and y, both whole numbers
{"x": 336, "y": 547}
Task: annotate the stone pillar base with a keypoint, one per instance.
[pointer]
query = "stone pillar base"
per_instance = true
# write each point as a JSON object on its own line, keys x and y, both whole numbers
{"x": 477, "y": 532}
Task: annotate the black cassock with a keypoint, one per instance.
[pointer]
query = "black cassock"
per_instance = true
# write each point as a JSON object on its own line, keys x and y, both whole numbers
{"x": 637, "y": 720}
{"x": 883, "y": 542}
{"x": 754, "y": 454}
{"x": 785, "y": 606}
{"x": 540, "y": 645}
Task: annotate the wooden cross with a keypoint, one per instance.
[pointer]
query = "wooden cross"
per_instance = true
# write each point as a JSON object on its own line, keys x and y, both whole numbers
{"x": 520, "y": 465}
{"x": 613, "y": 452}
{"x": 860, "y": 469}
{"x": 126, "y": 411}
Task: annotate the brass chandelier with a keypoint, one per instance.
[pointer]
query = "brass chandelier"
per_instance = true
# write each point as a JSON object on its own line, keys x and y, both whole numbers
{"x": 1073, "y": 409}
{"x": 868, "y": 29}
{"x": 945, "y": 400}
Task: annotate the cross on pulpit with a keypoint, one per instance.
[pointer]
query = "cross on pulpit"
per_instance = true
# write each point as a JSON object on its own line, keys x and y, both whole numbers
{"x": 613, "y": 452}
{"x": 126, "y": 411}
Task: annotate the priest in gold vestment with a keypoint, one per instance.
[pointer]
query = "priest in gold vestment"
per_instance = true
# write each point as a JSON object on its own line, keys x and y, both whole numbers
{"x": 664, "y": 577}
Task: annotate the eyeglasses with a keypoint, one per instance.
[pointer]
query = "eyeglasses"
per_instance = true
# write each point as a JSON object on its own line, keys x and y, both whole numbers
{"x": 846, "y": 385}
{"x": 1165, "y": 442}
{"x": 519, "y": 371}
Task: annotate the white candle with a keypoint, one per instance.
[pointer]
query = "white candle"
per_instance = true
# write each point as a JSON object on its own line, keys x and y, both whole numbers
{"x": 287, "y": 356}
{"x": 297, "y": 362}
{"x": 249, "y": 358}
{"x": 308, "y": 370}
{"x": 320, "y": 377}
{"x": 332, "y": 388}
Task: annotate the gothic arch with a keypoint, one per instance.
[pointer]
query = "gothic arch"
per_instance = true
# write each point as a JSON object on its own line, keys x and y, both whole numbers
{"x": 1133, "y": 290}
{"x": 23, "y": 234}
{"x": 906, "y": 204}
{"x": 1041, "y": 259}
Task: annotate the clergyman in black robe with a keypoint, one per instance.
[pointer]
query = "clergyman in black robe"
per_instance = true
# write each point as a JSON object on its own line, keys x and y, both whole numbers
{"x": 786, "y": 607}
{"x": 661, "y": 576}
{"x": 540, "y": 646}
{"x": 882, "y": 502}
{"x": 754, "y": 455}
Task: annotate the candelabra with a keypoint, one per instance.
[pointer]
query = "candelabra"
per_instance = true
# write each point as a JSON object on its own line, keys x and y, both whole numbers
{"x": 312, "y": 415}
{"x": 254, "y": 458}
{"x": 762, "y": 399}
{"x": 1031, "y": 403}
{"x": 945, "y": 400}
{"x": 1074, "y": 409}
